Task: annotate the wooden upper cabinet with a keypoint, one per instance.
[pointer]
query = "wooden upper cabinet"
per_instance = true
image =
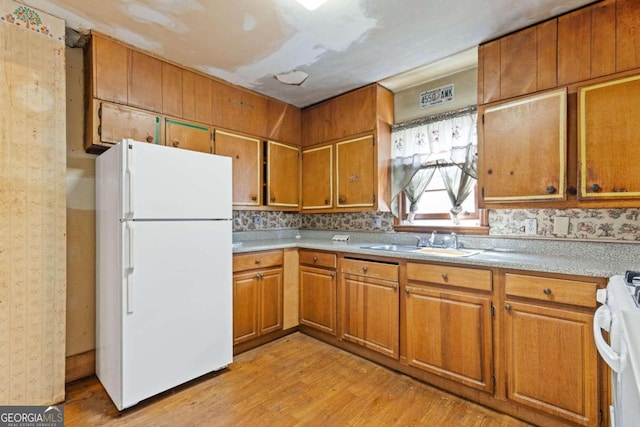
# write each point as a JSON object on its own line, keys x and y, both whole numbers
{"x": 355, "y": 173}
{"x": 110, "y": 62}
{"x": 353, "y": 113}
{"x": 245, "y": 153}
{"x": 117, "y": 122}
{"x": 283, "y": 175}
{"x": 546, "y": 55}
{"x": 196, "y": 97}
{"x": 586, "y": 43}
{"x": 188, "y": 136}
{"x": 627, "y": 35}
{"x": 518, "y": 63}
{"x": 244, "y": 111}
{"x": 172, "y": 90}
{"x": 145, "y": 81}
{"x": 608, "y": 130}
{"x": 489, "y": 72}
{"x": 317, "y": 178}
{"x": 284, "y": 122}
{"x": 522, "y": 152}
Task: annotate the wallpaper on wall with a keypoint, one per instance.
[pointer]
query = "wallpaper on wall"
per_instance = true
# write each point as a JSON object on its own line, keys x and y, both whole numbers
{"x": 275, "y": 220}
{"x": 264, "y": 220}
{"x": 603, "y": 224}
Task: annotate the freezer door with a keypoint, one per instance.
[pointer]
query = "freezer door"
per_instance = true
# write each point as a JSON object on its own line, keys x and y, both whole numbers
{"x": 177, "y": 304}
{"x": 168, "y": 183}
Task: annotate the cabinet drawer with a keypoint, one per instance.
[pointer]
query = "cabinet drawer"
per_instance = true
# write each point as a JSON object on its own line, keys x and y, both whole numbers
{"x": 472, "y": 278}
{"x": 256, "y": 260}
{"x": 554, "y": 290}
{"x": 378, "y": 270}
{"x": 319, "y": 259}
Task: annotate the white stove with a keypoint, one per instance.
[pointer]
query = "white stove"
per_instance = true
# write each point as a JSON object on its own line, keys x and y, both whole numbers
{"x": 620, "y": 315}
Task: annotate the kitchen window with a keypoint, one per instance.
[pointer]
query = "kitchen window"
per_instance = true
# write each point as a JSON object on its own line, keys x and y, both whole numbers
{"x": 434, "y": 173}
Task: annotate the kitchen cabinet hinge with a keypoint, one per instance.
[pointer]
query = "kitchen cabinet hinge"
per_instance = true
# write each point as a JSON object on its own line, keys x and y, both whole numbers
{"x": 374, "y": 198}
{"x": 100, "y": 112}
{"x": 493, "y": 378}
{"x": 493, "y": 310}
{"x": 483, "y": 119}
{"x": 373, "y": 141}
{"x": 482, "y": 192}
{"x": 213, "y": 136}
{"x": 600, "y": 417}
{"x": 100, "y": 130}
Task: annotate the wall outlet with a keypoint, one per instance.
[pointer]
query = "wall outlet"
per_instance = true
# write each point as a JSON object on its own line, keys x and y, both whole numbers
{"x": 529, "y": 226}
{"x": 561, "y": 225}
{"x": 376, "y": 222}
{"x": 256, "y": 220}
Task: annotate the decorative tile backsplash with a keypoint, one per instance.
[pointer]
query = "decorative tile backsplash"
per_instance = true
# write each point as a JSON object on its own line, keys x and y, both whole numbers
{"x": 602, "y": 224}
{"x": 592, "y": 224}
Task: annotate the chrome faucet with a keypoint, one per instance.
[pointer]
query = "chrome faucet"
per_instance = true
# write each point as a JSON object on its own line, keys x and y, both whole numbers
{"x": 433, "y": 242}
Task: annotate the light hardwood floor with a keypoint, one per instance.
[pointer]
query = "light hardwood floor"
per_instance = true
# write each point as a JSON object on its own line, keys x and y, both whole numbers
{"x": 294, "y": 381}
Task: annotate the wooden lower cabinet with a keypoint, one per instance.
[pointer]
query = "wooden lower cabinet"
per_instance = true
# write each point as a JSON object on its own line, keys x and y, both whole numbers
{"x": 257, "y": 295}
{"x": 370, "y": 305}
{"x": 551, "y": 358}
{"x": 449, "y": 334}
{"x": 318, "y": 298}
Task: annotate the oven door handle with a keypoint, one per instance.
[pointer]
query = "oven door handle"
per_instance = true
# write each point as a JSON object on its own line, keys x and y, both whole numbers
{"x": 602, "y": 320}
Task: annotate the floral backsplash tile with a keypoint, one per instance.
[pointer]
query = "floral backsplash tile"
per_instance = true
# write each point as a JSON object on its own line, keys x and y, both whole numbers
{"x": 592, "y": 224}
{"x": 603, "y": 224}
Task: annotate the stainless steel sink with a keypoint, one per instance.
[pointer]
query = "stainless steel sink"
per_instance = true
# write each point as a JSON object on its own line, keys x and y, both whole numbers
{"x": 392, "y": 248}
{"x": 445, "y": 252}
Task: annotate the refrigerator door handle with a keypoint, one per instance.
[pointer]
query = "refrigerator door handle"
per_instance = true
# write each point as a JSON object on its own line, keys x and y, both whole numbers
{"x": 130, "y": 269}
{"x": 129, "y": 172}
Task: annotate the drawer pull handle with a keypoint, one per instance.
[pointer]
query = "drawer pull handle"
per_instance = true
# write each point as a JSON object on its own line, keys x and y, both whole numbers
{"x": 176, "y": 143}
{"x": 547, "y": 291}
{"x": 315, "y": 259}
{"x": 149, "y": 139}
{"x": 507, "y": 307}
{"x": 364, "y": 269}
{"x": 445, "y": 277}
{"x": 333, "y": 274}
{"x": 395, "y": 287}
{"x": 258, "y": 261}
{"x": 254, "y": 198}
{"x": 406, "y": 291}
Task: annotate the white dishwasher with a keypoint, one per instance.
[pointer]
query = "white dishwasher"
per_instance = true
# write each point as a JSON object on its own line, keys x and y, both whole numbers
{"x": 620, "y": 315}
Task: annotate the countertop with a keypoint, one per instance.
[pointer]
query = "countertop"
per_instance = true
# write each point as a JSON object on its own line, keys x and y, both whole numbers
{"x": 571, "y": 263}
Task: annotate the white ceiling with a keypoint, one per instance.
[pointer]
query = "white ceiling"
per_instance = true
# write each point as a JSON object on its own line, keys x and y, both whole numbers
{"x": 342, "y": 45}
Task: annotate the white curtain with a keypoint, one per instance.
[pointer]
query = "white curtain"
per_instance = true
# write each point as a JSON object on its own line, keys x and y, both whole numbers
{"x": 449, "y": 145}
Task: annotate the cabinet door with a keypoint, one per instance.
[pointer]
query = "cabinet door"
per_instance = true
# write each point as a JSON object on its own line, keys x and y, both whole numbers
{"x": 608, "y": 129}
{"x": 318, "y": 299}
{"x": 246, "y": 163}
{"x": 196, "y": 97}
{"x": 117, "y": 123}
{"x": 370, "y": 313}
{"x": 172, "y": 90}
{"x": 523, "y": 149}
{"x": 188, "y": 136}
{"x": 270, "y": 300}
{"x": 449, "y": 334}
{"x": 283, "y": 175}
{"x": 354, "y": 112}
{"x": 283, "y": 122}
{"x": 551, "y": 361}
{"x": 317, "y": 178}
{"x": 244, "y": 111}
{"x": 317, "y": 124}
{"x": 246, "y": 298}
{"x": 110, "y": 65}
{"x": 627, "y": 35}
{"x": 518, "y": 63}
{"x": 145, "y": 81}
{"x": 354, "y": 173}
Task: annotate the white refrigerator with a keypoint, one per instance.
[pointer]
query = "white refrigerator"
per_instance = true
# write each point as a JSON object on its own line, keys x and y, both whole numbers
{"x": 164, "y": 266}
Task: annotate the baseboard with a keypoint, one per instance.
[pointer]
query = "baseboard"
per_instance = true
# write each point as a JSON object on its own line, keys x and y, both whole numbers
{"x": 257, "y": 342}
{"x": 80, "y": 366}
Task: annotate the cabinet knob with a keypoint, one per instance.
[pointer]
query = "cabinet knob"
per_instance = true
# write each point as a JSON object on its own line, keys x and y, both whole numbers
{"x": 364, "y": 269}
{"x": 395, "y": 287}
{"x": 333, "y": 274}
{"x": 551, "y": 189}
{"x": 507, "y": 307}
{"x": 341, "y": 199}
{"x": 176, "y": 143}
{"x": 149, "y": 139}
{"x": 445, "y": 277}
{"x": 273, "y": 199}
{"x": 254, "y": 198}
{"x": 326, "y": 201}
{"x": 489, "y": 172}
{"x": 406, "y": 291}
{"x": 259, "y": 276}
{"x": 595, "y": 188}
{"x": 258, "y": 261}
{"x": 315, "y": 259}
{"x": 547, "y": 291}
{"x": 572, "y": 190}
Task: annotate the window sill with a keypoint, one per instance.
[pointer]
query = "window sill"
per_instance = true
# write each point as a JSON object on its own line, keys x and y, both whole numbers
{"x": 444, "y": 228}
